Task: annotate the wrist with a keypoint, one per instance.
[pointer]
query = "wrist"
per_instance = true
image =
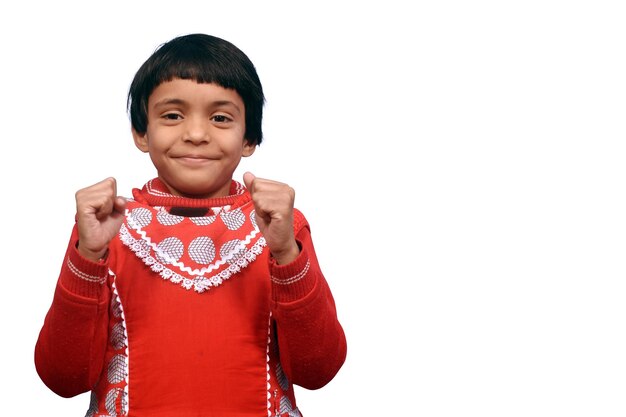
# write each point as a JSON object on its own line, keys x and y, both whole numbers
{"x": 91, "y": 255}
{"x": 287, "y": 255}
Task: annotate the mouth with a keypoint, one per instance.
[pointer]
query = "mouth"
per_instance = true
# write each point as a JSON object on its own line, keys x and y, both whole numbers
{"x": 193, "y": 159}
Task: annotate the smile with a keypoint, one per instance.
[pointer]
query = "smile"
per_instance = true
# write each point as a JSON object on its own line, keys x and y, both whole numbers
{"x": 193, "y": 159}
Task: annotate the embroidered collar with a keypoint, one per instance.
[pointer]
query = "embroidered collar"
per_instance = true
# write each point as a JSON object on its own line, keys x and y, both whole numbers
{"x": 195, "y": 252}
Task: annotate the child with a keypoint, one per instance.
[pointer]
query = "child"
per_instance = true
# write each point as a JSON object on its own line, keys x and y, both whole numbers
{"x": 199, "y": 296}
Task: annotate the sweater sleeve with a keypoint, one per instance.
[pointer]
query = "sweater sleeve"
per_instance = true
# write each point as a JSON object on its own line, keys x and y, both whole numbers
{"x": 72, "y": 340}
{"x": 311, "y": 341}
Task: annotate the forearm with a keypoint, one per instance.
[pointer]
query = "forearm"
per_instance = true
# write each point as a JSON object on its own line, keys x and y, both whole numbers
{"x": 72, "y": 340}
{"x": 311, "y": 340}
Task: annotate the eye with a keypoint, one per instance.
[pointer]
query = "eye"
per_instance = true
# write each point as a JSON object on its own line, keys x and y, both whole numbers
{"x": 172, "y": 116}
{"x": 220, "y": 118}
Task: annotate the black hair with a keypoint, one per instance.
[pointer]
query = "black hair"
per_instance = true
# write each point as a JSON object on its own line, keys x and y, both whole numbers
{"x": 204, "y": 59}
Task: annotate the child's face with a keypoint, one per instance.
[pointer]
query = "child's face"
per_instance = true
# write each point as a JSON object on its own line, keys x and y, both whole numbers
{"x": 195, "y": 137}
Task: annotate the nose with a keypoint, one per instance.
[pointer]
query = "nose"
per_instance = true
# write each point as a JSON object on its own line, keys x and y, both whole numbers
{"x": 197, "y": 130}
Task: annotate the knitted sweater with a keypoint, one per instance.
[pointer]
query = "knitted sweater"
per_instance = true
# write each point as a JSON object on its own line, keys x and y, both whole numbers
{"x": 189, "y": 315}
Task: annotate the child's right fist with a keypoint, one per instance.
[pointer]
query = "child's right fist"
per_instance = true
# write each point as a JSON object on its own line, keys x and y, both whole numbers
{"x": 99, "y": 215}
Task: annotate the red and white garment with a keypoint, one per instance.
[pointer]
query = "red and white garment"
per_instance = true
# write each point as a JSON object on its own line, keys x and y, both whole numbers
{"x": 189, "y": 315}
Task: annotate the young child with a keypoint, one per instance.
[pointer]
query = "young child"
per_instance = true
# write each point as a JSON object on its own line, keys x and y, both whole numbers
{"x": 199, "y": 296}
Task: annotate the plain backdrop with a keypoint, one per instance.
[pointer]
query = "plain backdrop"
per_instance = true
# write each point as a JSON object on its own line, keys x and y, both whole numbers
{"x": 462, "y": 165}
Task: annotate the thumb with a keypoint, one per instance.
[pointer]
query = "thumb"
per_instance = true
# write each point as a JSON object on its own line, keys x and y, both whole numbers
{"x": 120, "y": 204}
{"x": 248, "y": 177}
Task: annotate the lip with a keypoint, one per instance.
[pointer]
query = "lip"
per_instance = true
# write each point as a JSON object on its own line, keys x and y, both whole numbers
{"x": 193, "y": 159}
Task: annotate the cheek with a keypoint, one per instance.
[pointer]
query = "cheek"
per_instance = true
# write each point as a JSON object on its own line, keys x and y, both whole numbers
{"x": 155, "y": 141}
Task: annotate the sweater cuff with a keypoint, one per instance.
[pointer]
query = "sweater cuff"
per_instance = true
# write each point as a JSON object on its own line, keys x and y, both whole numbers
{"x": 82, "y": 276}
{"x": 292, "y": 281}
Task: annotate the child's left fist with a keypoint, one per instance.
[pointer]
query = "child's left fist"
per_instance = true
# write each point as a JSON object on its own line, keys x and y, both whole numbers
{"x": 273, "y": 203}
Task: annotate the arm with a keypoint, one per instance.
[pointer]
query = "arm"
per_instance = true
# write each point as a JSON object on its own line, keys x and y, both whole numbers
{"x": 311, "y": 340}
{"x": 72, "y": 341}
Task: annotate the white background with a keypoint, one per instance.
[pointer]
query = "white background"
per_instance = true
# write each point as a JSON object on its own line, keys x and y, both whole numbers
{"x": 462, "y": 165}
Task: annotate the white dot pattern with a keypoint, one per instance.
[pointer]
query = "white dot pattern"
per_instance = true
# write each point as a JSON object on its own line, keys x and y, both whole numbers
{"x": 141, "y": 216}
{"x": 281, "y": 377}
{"x": 185, "y": 254}
{"x": 202, "y": 250}
{"x": 167, "y": 219}
{"x": 233, "y": 219}
{"x": 117, "y": 369}
{"x": 118, "y": 340}
{"x": 285, "y": 405}
{"x": 113, "y": 397}
{"x": 116, "y": 308}
{"x": 170, "y": 250}
{"x": 203, "y": 221}
{"x": 232, "y": 250}
{"x": 253, "y": 219}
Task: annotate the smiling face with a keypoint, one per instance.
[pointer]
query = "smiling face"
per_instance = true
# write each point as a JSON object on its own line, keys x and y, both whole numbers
{"x": 195, "y": 137}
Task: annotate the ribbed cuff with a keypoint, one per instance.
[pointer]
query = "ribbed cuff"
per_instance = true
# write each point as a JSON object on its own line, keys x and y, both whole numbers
{"x": 82, "y": 276}
{"x": 292, "y": 281}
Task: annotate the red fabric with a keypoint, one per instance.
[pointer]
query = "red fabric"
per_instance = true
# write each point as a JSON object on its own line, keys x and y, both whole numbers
{"x": 156, "y": 330}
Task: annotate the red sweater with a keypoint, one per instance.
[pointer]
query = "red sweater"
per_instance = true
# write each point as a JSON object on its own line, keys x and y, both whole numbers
{"x": 190, "y": 316}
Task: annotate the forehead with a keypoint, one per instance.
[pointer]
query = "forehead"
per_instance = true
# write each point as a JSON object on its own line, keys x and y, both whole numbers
{"x": 192, "y": 92}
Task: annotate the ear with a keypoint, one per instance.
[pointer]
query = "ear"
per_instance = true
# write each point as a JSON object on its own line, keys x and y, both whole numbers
{"x": 141, "y": 140}
{"x": 248, "y": 148}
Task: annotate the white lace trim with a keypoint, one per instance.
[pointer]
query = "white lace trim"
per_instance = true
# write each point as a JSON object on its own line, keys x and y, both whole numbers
{"x": 200, "y": 283}
{"x": 199, "y": 272}
{"x": 267, "y": 353}
{"x": 125, "y": 404}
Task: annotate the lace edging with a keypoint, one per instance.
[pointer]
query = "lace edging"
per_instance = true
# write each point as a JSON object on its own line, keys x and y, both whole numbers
{"x": 200, "y": 283}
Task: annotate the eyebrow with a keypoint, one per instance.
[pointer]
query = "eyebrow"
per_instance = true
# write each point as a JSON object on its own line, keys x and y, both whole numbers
{"x": 227, "y": 103}
{"x": 166, "y": 101}
{"x": 178, "y": 101}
